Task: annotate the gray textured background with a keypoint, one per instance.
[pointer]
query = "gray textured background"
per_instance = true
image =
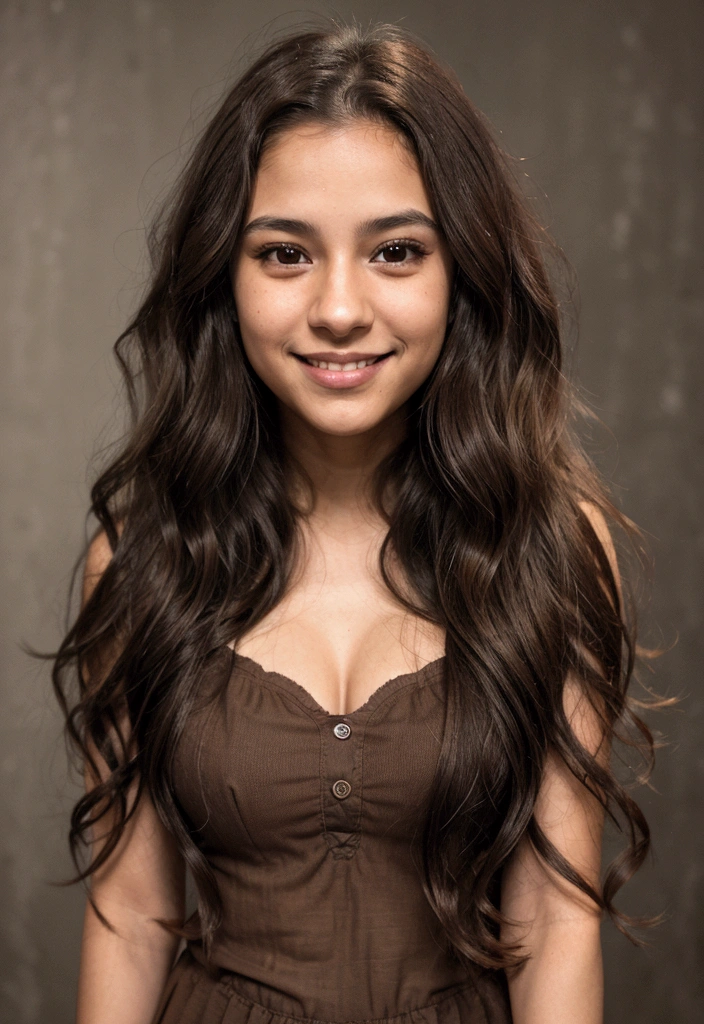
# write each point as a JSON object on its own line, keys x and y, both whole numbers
{"x": 604, "y": 102}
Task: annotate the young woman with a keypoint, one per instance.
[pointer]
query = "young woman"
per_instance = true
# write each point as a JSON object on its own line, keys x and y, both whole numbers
{"x": 352, "y": 647}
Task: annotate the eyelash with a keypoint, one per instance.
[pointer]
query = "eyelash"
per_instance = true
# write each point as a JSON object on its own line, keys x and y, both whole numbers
{"x": 419, "y": 250}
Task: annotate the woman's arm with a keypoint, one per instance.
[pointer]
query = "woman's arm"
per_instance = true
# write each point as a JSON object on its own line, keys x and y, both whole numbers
{"x": 563, "y": 981}
{"x": 560, "y": 927}
{"x": 123, "y": 971}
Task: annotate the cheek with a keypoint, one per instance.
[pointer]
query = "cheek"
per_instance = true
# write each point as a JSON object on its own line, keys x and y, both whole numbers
{"x": 262, "y": 345}
{"x": 266, "y": 317}
{"x": 263, "y": 310}
{"x": 418, "y": 315}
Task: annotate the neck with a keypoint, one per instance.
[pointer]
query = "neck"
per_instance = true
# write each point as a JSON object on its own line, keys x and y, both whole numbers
{"x": 341, "y": 467}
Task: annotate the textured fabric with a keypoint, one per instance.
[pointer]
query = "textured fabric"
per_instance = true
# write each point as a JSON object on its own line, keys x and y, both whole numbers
{"x": 312, "y": 833}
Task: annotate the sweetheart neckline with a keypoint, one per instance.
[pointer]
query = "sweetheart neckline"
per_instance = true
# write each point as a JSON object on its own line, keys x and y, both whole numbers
{"x": 374, "y": 698}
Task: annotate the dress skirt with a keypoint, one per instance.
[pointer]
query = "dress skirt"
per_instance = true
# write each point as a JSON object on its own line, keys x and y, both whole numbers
{"x": 195, "y": 994}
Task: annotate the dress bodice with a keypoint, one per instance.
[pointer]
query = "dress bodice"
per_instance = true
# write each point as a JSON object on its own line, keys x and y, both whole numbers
{"x": 312, "y": 823}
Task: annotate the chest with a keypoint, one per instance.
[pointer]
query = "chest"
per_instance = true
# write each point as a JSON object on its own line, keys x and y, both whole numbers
{"x": 340, "y": 632}
{"x": 263, "y": 772}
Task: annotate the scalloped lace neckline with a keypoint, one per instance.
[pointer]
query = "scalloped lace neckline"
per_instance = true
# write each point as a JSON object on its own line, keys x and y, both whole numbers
{"x": 307, "y": 698}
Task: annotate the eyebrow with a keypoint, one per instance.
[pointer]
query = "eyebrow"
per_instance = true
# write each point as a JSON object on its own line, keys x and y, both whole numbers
{"x": 367, "y": 227}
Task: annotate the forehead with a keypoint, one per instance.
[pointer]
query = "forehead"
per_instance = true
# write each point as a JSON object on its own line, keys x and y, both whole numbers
{"x": 357, "y": 169}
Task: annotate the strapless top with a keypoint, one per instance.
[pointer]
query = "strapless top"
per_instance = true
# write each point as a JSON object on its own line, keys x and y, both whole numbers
{"x": 312, "y": 823}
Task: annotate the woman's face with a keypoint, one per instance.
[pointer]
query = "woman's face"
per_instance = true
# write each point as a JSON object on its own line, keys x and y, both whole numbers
{"x": 340, "y": 262}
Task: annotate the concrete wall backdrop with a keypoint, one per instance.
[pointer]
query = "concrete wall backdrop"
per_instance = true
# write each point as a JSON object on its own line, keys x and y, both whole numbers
{"x": 604, "y": 102}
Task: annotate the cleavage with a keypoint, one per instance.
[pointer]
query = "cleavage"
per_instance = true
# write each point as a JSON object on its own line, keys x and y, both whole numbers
{"x": 341, "y": 685}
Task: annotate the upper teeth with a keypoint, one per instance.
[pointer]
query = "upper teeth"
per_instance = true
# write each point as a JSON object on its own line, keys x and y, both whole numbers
{"x": 341, "y": 366}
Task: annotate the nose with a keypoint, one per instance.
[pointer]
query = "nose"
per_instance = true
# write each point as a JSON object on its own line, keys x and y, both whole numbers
{"x": 340, "y": 304}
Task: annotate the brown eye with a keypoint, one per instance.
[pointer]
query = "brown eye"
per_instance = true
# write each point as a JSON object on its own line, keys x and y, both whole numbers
{"x": 394, "y": 253}
{"x": 400, "y": 253}
{"x": 287, "y": 255}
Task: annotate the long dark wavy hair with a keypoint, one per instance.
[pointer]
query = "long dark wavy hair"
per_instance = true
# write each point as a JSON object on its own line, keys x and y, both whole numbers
{"x": 484, "y": 497}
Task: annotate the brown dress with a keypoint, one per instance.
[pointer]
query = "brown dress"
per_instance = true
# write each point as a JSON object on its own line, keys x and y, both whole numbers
{"x": 310, "y": 822}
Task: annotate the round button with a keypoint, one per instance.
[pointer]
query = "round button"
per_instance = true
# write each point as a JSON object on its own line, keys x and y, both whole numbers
{"x": 341, "y": 789}
{"x": 342, "y": 730}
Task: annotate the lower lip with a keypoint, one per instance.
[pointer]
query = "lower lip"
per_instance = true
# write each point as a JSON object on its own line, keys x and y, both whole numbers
{"x": 343, "y": 378}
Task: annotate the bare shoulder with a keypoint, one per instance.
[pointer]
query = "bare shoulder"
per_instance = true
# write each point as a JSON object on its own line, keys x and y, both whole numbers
{"x": 98, "y": 558}
{"x": 600, "y": 527}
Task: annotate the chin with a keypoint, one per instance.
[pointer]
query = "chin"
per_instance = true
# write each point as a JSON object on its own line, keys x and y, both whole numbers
{"x": 340, "y": 420}
{"x": 335, "y": 428}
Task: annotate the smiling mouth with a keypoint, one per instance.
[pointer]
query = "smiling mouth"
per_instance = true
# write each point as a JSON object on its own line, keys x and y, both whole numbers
{"x": 327, "y": 365}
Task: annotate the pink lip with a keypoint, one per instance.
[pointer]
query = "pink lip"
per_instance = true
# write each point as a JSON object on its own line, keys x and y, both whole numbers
{"x": 342, "y": 378}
